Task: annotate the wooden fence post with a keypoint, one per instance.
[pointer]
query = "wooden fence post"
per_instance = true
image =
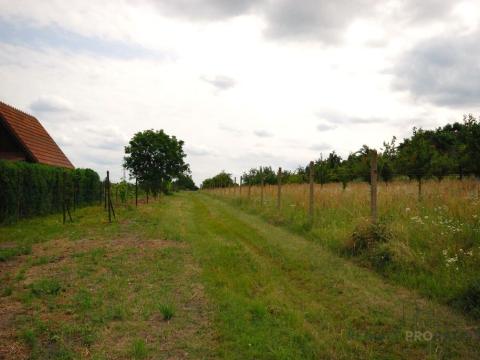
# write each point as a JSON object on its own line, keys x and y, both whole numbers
{"x": 105, "y": 193}
{"x": 310, "y": 198}
{"x": 373, "y": 185}
{"x": 420, "y": 188}
{"x": 240, "y": 187}
{"x": 235, "y": 186}
{"x": 136, "y": 192}
{"x": 279, "y": 188}
{"x": 261, "y": 186}
{"x": 108, "y": 197}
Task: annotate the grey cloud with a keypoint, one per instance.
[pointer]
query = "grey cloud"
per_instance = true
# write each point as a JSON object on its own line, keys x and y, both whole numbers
{"x": 313, "y": 19}
{"x": 318, "y": 20}
{"x": 206, "y": 10}
{"x": 425, "y": 10}
{"x": 333, "y": 118}
{"x": 443, "y": 70}
{"x": 325, "y": 127}
{"x": 103, "y": 160}
{"x": 320, "y": 147}
{"x": 105, "y": 138}
{"x": 198, "y": 151}
{"x": 263, "y": 133}
{"x": 220, "y": 82}
{"x": 230, "y": 129}
{"x": 50, "y": 104}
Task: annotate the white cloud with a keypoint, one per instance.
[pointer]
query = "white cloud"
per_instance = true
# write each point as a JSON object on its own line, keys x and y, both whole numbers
{"x": 263, "y": 133}
{"x": 50, "y": 103}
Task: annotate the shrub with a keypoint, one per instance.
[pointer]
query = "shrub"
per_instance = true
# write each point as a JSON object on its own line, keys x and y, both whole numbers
{"x": 366, "y": 235}
{"x": 469, "y": 299}
{"x": 380, "y": 257}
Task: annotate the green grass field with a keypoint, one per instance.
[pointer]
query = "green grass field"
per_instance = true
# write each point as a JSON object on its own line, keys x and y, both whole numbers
{"x": 192, "y": 277}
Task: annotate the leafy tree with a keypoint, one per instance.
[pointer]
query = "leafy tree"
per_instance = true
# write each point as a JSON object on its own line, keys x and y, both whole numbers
{"x": 155, "y": 159}
{"x": 218, "y": 181}
{"x": 472, "y": 144}
{"x": 254, "y": 176}
{"x": 184, "y": 182}
{"x": 416, "y": 156}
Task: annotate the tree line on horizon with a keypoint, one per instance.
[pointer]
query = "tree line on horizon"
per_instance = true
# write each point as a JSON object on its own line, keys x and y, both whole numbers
{"x": 451, "y": 150}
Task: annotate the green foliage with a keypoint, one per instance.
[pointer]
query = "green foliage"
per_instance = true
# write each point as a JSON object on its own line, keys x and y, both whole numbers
{"x": 29, "y": 338}
{"x": 9, "y": 252}
{"x": 469, "y": 299}
{"x": 184, "y": 182}
{"x": 167, "y": 311}
{"x": 139, "y": 349}
{"x": 28, "y": 190}
{"x": 416, "y": 156}
{"x": 155, "y": 159}
{"x": 366, "y": 236}
{"x": 450, "y": 150}
{"x": 255, "y": 176}
{"x": 44, "y": 287}
{"x": 218, "y": 181}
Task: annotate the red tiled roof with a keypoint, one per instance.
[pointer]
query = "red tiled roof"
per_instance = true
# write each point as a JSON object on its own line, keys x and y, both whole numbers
{"x": 33, "y": 137}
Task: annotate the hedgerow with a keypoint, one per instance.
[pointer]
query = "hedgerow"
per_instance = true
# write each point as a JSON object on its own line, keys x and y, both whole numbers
{"x": 28, "y": 189}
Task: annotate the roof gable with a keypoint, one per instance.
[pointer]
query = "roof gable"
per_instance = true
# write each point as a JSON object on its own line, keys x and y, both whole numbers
{"x": 35, "y": 140}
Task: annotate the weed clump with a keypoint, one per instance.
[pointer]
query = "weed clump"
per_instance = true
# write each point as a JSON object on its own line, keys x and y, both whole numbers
{"x": 139, "y": 349}
{"x": 45, "y": 287}
{"x": 366, "y": 236}
{"x": 469, "y": 299}
{"x": 167, "y": 311}
{"x": 7, "y": 253}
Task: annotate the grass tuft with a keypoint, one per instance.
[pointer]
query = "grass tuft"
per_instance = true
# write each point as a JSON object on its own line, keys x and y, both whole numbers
{"x": 139, "y": 349}
{"x": 45, "y": 287}
{"x": 167, "y": 311}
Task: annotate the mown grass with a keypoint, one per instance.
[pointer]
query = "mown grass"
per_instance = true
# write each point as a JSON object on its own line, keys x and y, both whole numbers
{"x": 192, "y": 277}
{"x": 435, "y": 243}
{"x": 96, "y": 290}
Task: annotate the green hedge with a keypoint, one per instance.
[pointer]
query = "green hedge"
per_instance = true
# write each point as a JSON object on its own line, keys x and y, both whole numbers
{"x": 28, "y": 190}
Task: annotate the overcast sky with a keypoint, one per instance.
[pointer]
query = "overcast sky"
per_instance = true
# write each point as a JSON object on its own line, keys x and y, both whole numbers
{"x": 243, "y": 82}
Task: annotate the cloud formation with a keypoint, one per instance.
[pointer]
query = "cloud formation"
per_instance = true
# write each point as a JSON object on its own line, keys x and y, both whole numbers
{"x": 331, "y": 119}
{"x": 50, "y": 104}
{"x": 206, "y": 10}
{"x": 28, "y": 34}
{"x": 263, "y": 133}
{"x": 443, "y": 70}
{"x": 326, "y": 127}
{"x": 220, "y": 82}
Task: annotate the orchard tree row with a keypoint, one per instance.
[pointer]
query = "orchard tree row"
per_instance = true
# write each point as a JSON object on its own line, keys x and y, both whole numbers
{"x": 452, "y": 150}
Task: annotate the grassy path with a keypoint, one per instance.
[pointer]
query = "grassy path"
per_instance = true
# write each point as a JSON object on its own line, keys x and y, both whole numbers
{"x": 238, "y": 288}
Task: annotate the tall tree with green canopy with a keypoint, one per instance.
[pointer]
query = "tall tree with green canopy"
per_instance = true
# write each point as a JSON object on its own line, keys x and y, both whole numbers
{"x": 416, "y": 157}
{"x": 220, "y": 180}
{"x": 155, "y": 159}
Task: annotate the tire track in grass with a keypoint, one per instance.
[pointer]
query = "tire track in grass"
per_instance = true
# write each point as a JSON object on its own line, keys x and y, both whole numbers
{"x": 359, "y": 300}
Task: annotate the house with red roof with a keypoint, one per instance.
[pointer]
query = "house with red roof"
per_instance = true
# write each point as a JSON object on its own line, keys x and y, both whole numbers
{"x": 23, "y": 138}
